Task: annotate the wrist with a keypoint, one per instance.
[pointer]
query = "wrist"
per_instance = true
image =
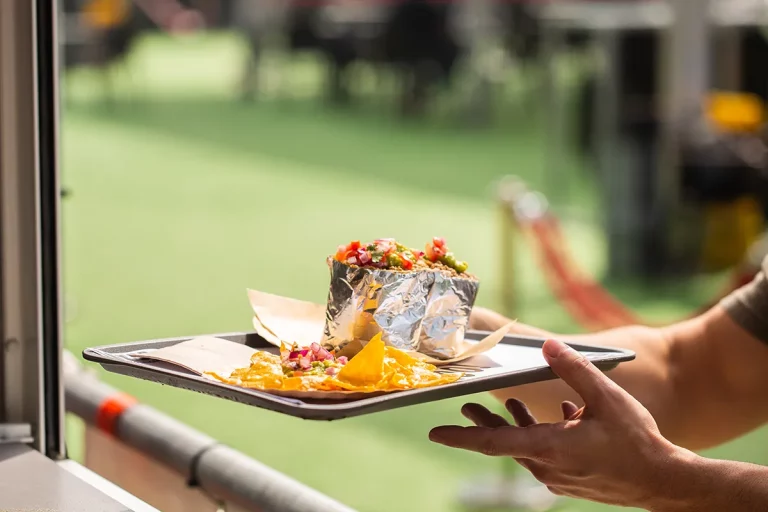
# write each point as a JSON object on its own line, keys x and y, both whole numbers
{"x": 682, "y": 479}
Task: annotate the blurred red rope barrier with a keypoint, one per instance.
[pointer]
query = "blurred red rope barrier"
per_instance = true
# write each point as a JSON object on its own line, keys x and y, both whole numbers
{"x": 585, "y": 299}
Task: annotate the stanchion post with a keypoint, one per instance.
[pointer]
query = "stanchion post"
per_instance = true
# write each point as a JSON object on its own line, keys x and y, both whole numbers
{"x": 508, "y": 189}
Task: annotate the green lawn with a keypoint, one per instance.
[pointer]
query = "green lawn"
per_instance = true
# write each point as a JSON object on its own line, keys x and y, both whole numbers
{"x": 183, "y": 198}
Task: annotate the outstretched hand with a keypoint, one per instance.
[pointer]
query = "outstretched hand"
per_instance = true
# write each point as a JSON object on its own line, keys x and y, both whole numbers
{"x": 610, "y": 450}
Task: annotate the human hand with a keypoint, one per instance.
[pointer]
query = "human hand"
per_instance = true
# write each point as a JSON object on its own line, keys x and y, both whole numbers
{"x": 608, "y": 451}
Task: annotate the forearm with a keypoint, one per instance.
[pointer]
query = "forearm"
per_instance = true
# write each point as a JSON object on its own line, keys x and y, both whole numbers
{"x": 689, "y": 376}
{"x": 691, "y": 482}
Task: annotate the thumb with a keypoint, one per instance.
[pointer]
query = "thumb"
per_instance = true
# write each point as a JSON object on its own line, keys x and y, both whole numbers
{"x": 578, "y": 372}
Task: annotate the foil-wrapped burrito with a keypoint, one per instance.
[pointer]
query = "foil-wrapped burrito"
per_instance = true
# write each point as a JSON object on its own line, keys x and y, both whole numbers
{"x": 424, "y": 307}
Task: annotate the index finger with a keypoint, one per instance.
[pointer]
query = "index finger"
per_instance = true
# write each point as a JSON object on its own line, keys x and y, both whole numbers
{"x": 527, "y": 443}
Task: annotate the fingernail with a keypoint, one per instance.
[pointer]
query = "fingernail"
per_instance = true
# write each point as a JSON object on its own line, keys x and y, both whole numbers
{"x": 554, "y": 349}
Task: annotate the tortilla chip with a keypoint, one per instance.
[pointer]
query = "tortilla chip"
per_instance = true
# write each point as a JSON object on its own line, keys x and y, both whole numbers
{"x": 401, "y": 357}
{"x": 367, "y": 367}
{"x": 375, "y": 369}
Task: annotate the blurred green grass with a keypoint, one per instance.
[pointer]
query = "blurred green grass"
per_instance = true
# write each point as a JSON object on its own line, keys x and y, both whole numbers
{"x": 184, "y": 197}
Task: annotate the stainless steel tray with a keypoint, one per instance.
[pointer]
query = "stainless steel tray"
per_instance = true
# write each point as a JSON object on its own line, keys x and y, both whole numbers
{"x": 515, "y": 361}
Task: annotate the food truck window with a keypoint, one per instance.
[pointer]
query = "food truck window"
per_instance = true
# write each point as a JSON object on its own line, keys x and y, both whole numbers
{"x": 30, "y": 387}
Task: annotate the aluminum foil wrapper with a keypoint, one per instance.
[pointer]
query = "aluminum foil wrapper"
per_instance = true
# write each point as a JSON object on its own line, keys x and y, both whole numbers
{"x": 425, "y": 310}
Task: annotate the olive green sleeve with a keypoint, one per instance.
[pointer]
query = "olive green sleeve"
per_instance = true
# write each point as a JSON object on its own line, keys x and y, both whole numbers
{"x": 748, "y": 306}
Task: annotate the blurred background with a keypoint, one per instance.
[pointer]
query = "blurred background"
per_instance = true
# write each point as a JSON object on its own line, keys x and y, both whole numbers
{"x": 210, "y": 146}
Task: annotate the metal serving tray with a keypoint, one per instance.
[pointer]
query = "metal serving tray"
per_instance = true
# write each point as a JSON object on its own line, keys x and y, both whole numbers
{"x": 515, "y": 361}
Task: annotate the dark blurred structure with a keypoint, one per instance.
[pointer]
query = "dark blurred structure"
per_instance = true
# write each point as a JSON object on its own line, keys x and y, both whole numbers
{"x": 421, "y": 40}
{"x": 101, "y": 33}
{"x": 712, "y": 168}
{"x": 672, "y": 118}
{"x": 411, "y": 36}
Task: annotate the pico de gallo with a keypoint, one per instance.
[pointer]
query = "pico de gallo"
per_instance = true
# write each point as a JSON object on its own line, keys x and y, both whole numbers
{"x": 312, "y": 360}
{"x": 386, "y": 253}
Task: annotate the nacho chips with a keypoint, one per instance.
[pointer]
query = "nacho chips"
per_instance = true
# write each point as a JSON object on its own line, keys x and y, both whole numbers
{"x": 376, "y": 368}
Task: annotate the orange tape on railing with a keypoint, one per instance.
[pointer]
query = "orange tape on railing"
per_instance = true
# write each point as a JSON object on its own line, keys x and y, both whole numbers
{"x": 110, "y": 411}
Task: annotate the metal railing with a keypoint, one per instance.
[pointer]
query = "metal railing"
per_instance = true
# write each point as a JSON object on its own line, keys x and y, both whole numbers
{"x": 226, "y": 475}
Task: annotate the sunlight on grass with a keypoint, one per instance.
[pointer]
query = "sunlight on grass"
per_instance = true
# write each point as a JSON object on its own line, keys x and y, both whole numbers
{"x": 182, "y": 197}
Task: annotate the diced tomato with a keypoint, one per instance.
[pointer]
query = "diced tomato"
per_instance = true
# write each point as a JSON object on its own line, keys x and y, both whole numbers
{"x": 429, "y": 251}
{"x": 351, "y": 257}
{"x": 434, "y": 253}
{"x": 407, "y": 264}
{"x": 355, "y": 245}
{"x": 436, "y": 249}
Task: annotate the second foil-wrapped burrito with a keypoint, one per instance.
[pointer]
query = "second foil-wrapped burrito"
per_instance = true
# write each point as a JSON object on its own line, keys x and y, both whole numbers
{"x": 417, "y": 300}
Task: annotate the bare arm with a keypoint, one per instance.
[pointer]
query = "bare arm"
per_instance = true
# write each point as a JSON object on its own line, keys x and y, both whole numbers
{"x": 708, "y": 485}
{"x": 703, "y": 380}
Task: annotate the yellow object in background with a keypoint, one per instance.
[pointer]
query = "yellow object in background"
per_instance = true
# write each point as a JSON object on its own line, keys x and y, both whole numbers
{"x": 730, "y": 230}
{"x": 105, "y": 13}
{"x": 735, "y": 112}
